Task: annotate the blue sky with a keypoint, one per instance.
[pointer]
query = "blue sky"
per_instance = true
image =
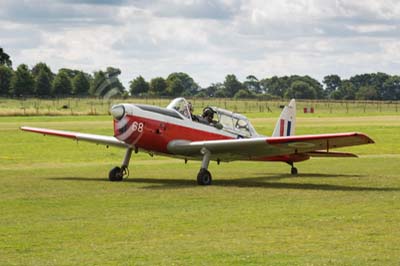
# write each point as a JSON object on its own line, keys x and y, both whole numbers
{"x": 206, "y": 39}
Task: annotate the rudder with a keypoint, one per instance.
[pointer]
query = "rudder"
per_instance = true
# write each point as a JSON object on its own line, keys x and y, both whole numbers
{"x": 286, "y": 124}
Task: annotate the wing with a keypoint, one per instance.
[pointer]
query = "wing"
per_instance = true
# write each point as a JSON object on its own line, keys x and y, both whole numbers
{"x": 99, "y": 139}
{"x": 258, "y": 148}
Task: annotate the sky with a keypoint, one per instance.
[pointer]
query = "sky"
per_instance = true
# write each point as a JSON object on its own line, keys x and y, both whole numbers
{"x": 206, "y": 39}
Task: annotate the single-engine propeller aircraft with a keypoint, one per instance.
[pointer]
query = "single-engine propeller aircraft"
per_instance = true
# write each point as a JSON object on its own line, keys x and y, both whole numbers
{"x": 217, "y": 135}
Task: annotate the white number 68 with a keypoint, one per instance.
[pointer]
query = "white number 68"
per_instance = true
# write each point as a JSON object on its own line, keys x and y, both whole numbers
{"x": 137, "y": 126}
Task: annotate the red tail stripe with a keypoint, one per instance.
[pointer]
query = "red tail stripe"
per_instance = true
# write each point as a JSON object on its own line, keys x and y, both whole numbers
{"x": 282, "y": 127}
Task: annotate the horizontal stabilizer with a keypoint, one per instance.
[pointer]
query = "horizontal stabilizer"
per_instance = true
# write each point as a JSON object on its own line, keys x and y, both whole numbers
{"x": 331, "y": 154}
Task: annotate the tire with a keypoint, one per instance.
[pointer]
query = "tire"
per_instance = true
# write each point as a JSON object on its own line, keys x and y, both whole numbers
{"x": 204, "y": 177}
{"x": 115, "y": 174}
{"x": 294, "y": 171}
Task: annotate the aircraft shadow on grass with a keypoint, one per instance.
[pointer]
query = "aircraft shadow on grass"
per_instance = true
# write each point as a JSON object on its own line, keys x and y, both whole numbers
{"x": 249, "y": 182}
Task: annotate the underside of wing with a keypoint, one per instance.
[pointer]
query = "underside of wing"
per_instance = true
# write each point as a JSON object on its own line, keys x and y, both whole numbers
{"x": 326, "y": 154}
{"x": 99, "y": 139}
{"x": 267, "y": 148}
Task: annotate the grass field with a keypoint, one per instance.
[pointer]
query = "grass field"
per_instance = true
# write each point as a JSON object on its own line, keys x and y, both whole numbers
{"x": 57, "y": 207}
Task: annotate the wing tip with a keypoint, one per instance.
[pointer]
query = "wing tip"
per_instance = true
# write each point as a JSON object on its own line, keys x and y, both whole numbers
{"x": 52, "y": 132}
{"x": 25, "y": 128}
{"x": 366, "y": 137}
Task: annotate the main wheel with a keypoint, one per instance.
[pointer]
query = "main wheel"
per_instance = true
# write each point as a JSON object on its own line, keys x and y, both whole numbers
{"x": 294, "y": 171}
{"x": 204, "y": 177}
{"x": 116, "y": 174}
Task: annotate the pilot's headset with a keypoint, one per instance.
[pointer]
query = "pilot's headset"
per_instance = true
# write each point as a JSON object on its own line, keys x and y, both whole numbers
{"x": 208, "y": 112}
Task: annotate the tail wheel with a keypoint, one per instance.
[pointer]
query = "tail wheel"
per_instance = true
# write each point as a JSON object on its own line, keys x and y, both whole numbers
{"x": 294, "y": 171}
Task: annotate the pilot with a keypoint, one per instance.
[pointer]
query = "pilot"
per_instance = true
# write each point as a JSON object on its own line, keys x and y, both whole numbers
{"x": 208, "y": 118}
{"x": 208, "y": 115}
{"x": 194, "y": 117}
{"x": 190, "y": 107}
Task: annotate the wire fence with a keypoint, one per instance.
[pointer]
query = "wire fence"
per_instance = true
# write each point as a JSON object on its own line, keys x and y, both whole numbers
{"x": 94, "y": 106}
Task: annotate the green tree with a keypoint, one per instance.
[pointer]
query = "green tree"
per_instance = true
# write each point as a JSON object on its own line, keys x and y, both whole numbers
{"x": 158, "y": 87}
{"x": 112, "y": 74}
{"x": 113, "y": 71}
{"x": 80, "y": 84}
{"x": 174, "y": 87}
{"x": 232, "y": 85}
{"x": 62, "y": 85}
{"x": 313, "y": 83}
{"x": 391, "y": 89}
{"x": 71, "y": 73}
{"x": 5, "y": 58}
{"x": 375, "y": 80}
{"x": 252, "y": 84}
{"x": 42, "y": 66}
{"x": 301, "y": 90}
{"x": 22, "y": 82}
{"x": 98, "y": 84}
{"x": 139, "y": 86}
{"x": 181, "y": 84}
{"x": 332, "y": 83}
{"x": 243, "y": 94}
{"x": 202, "y": 94}
{"x": 276, "y": 85}
{"x": 106, "y": 83}
{"x": 280, "y": 86}
{"x": 211, "y": 90}
{"x": 366, "y": 93}
{"x": 42, "y": 84}
{"x": 6, "y": 74}
{"x": 220, "y": 93}
{"x": 346, "y": 91}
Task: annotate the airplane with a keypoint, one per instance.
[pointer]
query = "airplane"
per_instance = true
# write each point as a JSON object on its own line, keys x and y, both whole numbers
{"x": 216, "y": 135}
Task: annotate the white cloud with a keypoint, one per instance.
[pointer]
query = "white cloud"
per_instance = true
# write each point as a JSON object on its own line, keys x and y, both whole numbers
{"x": 371, "y": 28}
{"x": 206, "y": 39}
{"x": 370, "y": 9}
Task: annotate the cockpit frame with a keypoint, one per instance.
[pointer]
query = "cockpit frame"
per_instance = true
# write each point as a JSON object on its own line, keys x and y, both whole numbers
{"x": 228, "y": 121}
{"x": 235, "y": 123}
{"x": 181, "y": 106}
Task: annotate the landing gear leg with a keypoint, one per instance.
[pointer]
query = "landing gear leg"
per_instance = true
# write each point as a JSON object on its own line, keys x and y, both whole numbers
{"x": 118, "y": 173}
{"x": 293, "y": 171}
{"x": 204, "y": 176}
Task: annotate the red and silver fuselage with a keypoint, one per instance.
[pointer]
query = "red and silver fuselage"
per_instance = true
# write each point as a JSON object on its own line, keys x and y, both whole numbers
{"x": 151, "y": 128}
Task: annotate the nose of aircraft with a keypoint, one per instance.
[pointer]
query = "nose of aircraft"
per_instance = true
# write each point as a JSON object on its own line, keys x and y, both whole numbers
{"x": 117, "y": 111}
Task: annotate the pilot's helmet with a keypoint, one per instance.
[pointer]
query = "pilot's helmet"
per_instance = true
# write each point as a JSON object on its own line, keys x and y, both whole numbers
{"x": 208, "y": 112}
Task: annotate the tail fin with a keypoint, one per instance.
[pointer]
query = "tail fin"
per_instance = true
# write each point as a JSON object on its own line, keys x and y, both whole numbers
{"x": 286, "y": 124}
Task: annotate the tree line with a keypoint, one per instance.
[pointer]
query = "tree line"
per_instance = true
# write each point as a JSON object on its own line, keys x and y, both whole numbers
{"x": 373, "y": 86}
{"x": 40, "y": 81}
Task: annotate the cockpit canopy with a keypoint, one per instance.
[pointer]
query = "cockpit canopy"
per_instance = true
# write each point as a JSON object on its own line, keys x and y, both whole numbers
{"x": 234, "y": 123}
{"x": 182, "y": 106}
{"x": 222, "y": 119}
